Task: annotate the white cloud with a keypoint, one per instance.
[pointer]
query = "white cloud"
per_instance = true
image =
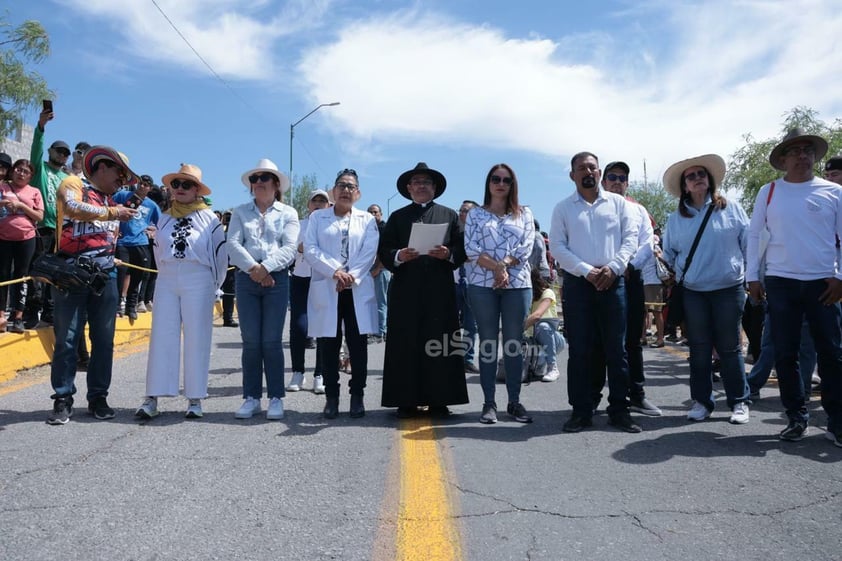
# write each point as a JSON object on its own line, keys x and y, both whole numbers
{"x": 235, "y": 37}
{"x": 698, "y": 79}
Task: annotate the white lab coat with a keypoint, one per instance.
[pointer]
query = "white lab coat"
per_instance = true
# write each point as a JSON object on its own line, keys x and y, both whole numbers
{"x": 322, "y": 247}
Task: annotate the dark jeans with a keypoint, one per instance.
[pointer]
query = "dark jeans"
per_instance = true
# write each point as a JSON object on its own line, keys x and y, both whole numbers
{"x": 17, "y": 254}
{"x": 789, "y": 301}
{"x": 40, "y": 298}
{"x": 594, "y": 319}
{"x": 635, "y": 312}
{"x": 135, "y": 255}
{"x": 712, "y": 319}
{"x": 357, "y": 349}
{"x": 147, "y": 289}
{"x": 466, "y": 320}
{"x": 299, "y": 288}
{"x": 228, "y": 296}
{"x": 72, "y": 310}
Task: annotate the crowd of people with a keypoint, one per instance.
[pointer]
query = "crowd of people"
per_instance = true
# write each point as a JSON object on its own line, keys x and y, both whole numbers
{"x": 441, "y": 288}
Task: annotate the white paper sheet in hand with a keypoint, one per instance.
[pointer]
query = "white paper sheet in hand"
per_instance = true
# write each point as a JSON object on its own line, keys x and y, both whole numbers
{"x": 425, "y": 237}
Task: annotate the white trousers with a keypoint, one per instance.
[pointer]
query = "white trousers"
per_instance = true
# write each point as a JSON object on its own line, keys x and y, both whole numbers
{"x": 184, "y": 296}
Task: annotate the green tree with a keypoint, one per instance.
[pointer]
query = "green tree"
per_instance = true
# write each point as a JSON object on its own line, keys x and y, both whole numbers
{"x": 750, "y": 169}
{"x": 19, "y": 89}
{"x": 655, "y": 199}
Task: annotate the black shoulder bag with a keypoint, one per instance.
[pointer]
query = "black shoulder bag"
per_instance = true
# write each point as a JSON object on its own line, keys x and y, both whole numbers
{"x": 675, "y": 303}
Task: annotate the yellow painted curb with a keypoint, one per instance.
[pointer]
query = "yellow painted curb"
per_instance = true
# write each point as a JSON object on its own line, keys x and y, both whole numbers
{"x": 34, "y": 347}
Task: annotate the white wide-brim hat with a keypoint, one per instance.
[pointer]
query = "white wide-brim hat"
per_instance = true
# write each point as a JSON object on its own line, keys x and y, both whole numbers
{"x": 267, "y": 165}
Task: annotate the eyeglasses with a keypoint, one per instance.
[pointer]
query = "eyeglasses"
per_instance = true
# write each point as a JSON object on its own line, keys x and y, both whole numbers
{"x": 346, "y": 186}
{"x": 422, "y": 182}
{"x": 693, "y": 176}
{"x": 346, "y": 171}
{"x": 496, "y": 180}
{"x": 615, "y": 177}
{"x": 22, "y": 171}
{"x": 808, "y": 150}
{"x": 185, "y": 184}
{"x": 78, "y": 152}
{"x": 265, "y": 177}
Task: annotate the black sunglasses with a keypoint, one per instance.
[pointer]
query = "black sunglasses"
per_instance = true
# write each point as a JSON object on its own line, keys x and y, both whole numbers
{"x": 346, "y": 171}
{"x": 496, "y": 179}
{"x": 185, "y": 184}
{"x": 701, "y": 174}
{"x": 615, "y": 177}
{"x": 264, "y": 177}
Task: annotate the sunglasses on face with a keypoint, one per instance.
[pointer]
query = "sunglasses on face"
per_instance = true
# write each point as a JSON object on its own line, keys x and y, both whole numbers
{"x": 496, "y": 180}
{"x": 346, "y": 186}
{"x": 615, "y": 177}
{"x": 62, "y": 151}
{"x": 184, "y": 184}
{"x": 422, "y": 182}
{"x": 265, "y": 177}
{"x": 693, "y": 176}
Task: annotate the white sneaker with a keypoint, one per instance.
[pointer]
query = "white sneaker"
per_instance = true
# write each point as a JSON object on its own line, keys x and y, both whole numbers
{"x": 194, "y": 409}
{"x": 297, "y": 382}
{"x": 318, "y": 385}
{"x": 739, "y": 414}
{"x": 552, "y": 374}
{"x": 141, "y": 308}
{"x": 275, "y": 411}
{"x": 249, "y": 408}
{"x": 698, "y": 412}
{"x": 148, "y": 409}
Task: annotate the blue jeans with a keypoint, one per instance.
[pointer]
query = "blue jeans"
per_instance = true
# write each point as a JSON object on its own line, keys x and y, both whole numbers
{"x": 381, "y": 292}
{"x": 713, "y": 319}
{"x": 466, "y": 320}
{"x": 490, "y": 306}
{"x": 789, "y": 301}
{"x": 766, "y": 359}
{"x": 299, "y": 289}
{"x": 262, "y": 312}
{"x": 551, "y": 342}
{"x": 71, "y": 310}
{"x": 592, "y": 319}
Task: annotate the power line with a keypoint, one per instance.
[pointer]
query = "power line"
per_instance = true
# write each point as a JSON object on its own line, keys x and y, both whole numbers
{"x": 200, "y": 57}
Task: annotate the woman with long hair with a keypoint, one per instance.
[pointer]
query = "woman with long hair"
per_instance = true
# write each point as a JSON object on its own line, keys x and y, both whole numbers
{"x": 713, "y": 281}
{"x": 498, "y": 242}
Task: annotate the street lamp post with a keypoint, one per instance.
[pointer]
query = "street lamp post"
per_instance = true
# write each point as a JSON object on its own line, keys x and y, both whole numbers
{"x": 292, "y": 134}
{"x": 389, "y": 204}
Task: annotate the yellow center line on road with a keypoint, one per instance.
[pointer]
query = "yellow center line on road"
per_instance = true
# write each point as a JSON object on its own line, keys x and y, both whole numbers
{"x": 425, "y": 527}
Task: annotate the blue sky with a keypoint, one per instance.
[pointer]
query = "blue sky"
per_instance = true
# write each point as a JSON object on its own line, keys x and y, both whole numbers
{"x": 460, "y": 85}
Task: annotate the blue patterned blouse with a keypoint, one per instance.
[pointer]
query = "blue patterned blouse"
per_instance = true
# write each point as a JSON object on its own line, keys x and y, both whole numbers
{"x": 499, "y": 236}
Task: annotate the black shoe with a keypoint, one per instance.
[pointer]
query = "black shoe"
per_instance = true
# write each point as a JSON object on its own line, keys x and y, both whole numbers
{"x": 331, "y": 410}
{"x": 357, "y": 408}
{"x": 230, "y": 323}
{"x": 406, "y": 412}
{"x": 98, "y": 407}
{"x": 439, "y": 411}
{"x": 576, "y": 423}
{"x": 518, "y": 411}
{"x": 62, "y": 411}
{"x": 469, "y": 367}
{"x": 132, "y": 314}
{"x": 16, "y": 326}
{"x": 794, "y": 431}
{"x": 623, "y": 421}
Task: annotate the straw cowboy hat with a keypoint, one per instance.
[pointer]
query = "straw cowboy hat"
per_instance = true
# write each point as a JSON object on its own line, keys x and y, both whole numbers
{"x": 188, "y": 172}
{"x": 711, "y": 162}
{"x": 96, "y": 154}
{"x": 265, "y": 165}
{"x": 796, "y": 135}
{"x": 421, "y": 167}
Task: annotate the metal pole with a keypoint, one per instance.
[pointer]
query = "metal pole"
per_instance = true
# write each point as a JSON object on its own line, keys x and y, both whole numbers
{"x": 291, "y": 136}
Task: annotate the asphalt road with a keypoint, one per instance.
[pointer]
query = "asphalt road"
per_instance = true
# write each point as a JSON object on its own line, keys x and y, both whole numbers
{"x": 305, "y": 488}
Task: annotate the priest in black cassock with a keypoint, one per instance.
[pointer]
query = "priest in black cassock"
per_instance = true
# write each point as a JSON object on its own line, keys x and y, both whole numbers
{"x": 424, "y": 364}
